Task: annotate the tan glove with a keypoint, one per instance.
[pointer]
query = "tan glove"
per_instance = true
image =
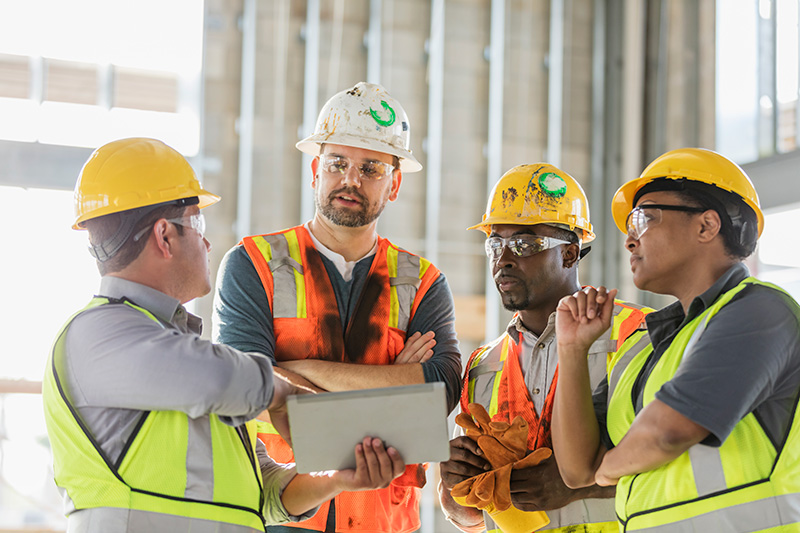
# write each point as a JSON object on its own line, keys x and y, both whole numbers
{"x": 504, "y": 445}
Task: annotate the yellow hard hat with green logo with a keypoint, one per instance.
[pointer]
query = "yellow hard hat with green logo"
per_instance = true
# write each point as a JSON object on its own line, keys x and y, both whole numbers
{"x": 538, "y": 193}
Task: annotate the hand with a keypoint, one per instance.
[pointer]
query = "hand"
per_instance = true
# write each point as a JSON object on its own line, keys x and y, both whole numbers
{"x": 376, "y": 467}
{"x": 277, "y": 414}
{"x": 582, "y": 317}
{"x": 540, "y": 488}
{"x": 418, "y": 349}
{"x": 466, "y": 461}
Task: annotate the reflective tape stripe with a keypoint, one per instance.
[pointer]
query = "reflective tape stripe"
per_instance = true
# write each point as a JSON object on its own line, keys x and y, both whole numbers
{"x": 709, "y": 476}
{"x": 622, "y": 364}
{"x": 404, "y": 280}
{"x": 494, "y": 403}
{"x": 394, "y": 302}
{"x": 486, "y": 368}
{"x": 300, "y": 283}
{"x": 114, "y": 519}
{"x": 695, "y": 337}
{"x": 199, "y": 460}
{"x": 285, "y": 294}
{"x": 618, "y": 318}
{"x": 743, "y": 518}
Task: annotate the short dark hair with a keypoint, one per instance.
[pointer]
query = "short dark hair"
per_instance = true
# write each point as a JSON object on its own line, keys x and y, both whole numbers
{"x": 101, "y": 229}
{"x": 739, "y": 229}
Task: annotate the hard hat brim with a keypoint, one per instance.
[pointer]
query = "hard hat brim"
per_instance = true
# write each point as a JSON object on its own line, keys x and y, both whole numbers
{"x": 311, "y": 146}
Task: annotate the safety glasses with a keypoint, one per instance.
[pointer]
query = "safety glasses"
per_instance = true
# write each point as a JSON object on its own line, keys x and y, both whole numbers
{"x": 648, "y": 215}
{"x": 197, "y": 222}
{"x": 338, "y": 166}
{"x": 520, "y": 245}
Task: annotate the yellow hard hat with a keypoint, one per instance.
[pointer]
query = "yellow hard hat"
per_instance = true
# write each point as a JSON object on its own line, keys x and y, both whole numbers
{"x": 131, "y": 173}
{"x": 538, "y": 194}
{"x": 692, "y": 164}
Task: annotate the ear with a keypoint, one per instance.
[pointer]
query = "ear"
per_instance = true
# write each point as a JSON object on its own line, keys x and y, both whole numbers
{"x": 164, "y": 234}
{"x": 710, "y": 226}
{"x": 314, "y": 168}
{"x": 570, "y": 255}
{"x": 397, "y": 179}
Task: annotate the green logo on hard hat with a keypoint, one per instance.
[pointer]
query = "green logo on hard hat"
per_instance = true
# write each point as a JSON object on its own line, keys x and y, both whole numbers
{"x": 553, "y": 184}
{"x": 389, "y": 121}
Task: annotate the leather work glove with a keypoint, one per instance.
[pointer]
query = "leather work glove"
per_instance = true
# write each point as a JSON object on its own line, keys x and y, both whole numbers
{"x": 504, "y": 445}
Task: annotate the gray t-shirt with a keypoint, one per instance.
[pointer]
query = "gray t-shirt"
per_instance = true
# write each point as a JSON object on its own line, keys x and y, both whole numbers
{"x": 747, "y": 360}
{"x": 242, "y": 317}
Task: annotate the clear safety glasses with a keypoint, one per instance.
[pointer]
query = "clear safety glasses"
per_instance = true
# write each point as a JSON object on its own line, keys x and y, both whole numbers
{"x": 647, "y": 215}
{"x": 338, "y": 166}
{"x": 520, "y": 245}
{"x": 197, "y": 222}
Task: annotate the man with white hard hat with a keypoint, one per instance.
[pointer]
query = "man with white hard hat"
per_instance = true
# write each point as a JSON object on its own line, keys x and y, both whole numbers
{"x": 339, "y": 307}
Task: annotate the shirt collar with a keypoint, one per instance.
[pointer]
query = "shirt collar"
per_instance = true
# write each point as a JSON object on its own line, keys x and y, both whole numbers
{"x": 164, "y": 307}
{"x": 516, "y": 328}
{"x": 658, "y": 322}
{"x": 344, "y": 267}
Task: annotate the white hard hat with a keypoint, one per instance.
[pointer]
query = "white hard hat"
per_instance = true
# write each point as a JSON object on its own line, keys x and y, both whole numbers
{"x": 365, "y": 116}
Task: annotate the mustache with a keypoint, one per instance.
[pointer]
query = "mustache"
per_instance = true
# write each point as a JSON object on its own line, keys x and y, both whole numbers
{"x": 349, "y": 191}
{"x": 504, "y": 275}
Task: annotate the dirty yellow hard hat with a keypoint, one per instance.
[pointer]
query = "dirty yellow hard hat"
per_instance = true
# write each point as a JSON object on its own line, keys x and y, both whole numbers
{"x": 132, "y": 173}
{"x": 693, "y": 165}
{"x": 538, "y": 194}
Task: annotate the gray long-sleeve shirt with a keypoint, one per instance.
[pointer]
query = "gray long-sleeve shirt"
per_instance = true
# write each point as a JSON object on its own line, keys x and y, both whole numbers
{"x": 119, "y": 362}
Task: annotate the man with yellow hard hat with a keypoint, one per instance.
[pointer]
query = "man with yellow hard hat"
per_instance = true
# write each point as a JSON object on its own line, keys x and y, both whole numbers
{"x": 339, "y": 307}
{"x": 149, "y": 424}
{"x": 699, "y": 431}
{"x": 536, "y": 220}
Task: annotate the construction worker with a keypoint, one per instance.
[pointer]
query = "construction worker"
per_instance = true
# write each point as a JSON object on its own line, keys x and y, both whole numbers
{"x": 339, "y": 307}
{"x": 149, "y": 423}
{"x": 536, "y": 220}
{"x": 701, "y": 429}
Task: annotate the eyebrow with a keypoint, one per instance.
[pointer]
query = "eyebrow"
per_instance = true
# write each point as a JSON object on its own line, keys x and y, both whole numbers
{"x": 365, "y": 160}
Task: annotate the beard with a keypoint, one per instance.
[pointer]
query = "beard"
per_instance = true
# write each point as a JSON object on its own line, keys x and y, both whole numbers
{"x": 364, "y": 214}
{"x": 516, "y": 302}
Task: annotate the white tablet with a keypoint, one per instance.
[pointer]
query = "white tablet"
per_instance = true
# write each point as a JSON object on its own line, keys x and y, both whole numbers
{"x": 326, "y": 427}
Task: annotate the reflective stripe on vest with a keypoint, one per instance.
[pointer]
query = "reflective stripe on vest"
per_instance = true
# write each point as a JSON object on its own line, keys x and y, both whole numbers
{"x": 746, "y": 484}
{"x": 207, "y": 472}
{"x": 594, "y": 515}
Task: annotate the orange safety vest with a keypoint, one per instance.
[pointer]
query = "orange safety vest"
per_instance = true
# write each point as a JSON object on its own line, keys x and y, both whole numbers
{"x": 307, "y": 325}
{"x": 510, "y": 397}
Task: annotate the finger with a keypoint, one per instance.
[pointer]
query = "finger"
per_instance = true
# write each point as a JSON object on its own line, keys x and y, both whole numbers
{"x": 372, "y": 468}
{"x": 569, "y": 305}
{"x": 384, "y": 462}
{"x": 398, "y": 465}
{"x": 361, "y": 463}
{"x": 580, "y": 304}
{"x": 608, "y": 306}
{"x": 591, "y": 302}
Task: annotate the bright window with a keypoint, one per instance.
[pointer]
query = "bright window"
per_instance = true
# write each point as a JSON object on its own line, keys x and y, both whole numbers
{"x": 93, "y": 71}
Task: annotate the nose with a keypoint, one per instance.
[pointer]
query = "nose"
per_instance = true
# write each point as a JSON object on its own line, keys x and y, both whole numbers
{"x": 630, "y": 242}
{"x": 506, "y": 258}
{"x": 352, "y": 176}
